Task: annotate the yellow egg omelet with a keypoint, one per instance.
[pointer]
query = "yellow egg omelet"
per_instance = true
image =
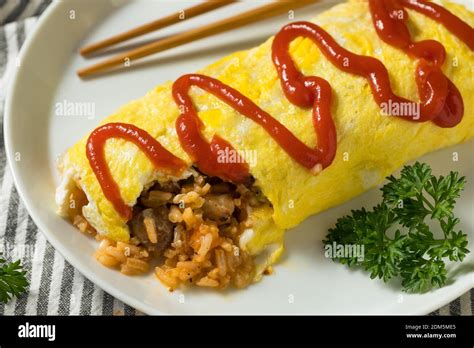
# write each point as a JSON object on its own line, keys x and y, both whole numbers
{"x": 370, "y": 146}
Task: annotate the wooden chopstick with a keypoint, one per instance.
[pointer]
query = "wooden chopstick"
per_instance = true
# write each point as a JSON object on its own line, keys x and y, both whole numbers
{"x": 174, "y": 18}
{"x": 227, "y": 24}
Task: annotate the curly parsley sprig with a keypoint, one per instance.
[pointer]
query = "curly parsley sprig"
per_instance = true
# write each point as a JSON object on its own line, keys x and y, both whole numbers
{"x": 412, "y": 252}
{"x": 12, "y": 280}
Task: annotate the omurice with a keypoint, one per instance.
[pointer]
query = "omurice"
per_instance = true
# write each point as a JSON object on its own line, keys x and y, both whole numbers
{"x": 204, "y": 174}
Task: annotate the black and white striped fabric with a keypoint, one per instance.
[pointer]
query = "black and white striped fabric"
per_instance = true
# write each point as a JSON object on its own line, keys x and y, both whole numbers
{"x": 56, "y": 288}
{"x": 16, "y": 10}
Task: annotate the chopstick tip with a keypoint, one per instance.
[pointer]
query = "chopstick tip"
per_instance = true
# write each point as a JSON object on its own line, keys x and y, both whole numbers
{"x": 85, "y": 51}
{"x": 82, "y": 73}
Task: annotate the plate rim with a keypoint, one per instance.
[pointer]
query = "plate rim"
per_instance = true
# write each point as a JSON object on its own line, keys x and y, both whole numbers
{"x": 11, "y": 87}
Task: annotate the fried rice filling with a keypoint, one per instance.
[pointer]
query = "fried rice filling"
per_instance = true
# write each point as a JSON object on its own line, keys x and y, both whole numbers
{"x": 188, "y": 230}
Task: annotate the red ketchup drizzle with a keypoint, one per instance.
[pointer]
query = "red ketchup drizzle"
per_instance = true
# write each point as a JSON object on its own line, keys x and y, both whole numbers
{"x": 438, "y": 13}
{"x": 156, "y": 153}
{"x": 441, "y": 101}
{"x": 205, "y": 154}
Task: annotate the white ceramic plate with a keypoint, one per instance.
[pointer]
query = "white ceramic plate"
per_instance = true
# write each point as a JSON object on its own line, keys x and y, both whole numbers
{"x": 304, "y": 282}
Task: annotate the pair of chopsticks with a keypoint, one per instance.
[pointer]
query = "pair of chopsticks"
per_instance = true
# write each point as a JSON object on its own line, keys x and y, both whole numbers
{"x": 254, "y": 15}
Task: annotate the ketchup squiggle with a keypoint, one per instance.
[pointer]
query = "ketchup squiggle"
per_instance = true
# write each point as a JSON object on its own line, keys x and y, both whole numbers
{"x": 440, "y": 100}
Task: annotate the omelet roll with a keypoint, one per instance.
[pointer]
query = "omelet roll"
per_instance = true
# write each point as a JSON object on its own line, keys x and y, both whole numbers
{"x": 370, "y": 146}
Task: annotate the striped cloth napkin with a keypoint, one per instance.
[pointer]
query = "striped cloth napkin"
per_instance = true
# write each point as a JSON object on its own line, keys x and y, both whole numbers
{"x": 56, "y": 287}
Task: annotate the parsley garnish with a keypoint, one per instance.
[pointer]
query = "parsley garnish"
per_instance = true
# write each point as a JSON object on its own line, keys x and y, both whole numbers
{"x": 396, "y": 237}
{"x": 12, "y": 280}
